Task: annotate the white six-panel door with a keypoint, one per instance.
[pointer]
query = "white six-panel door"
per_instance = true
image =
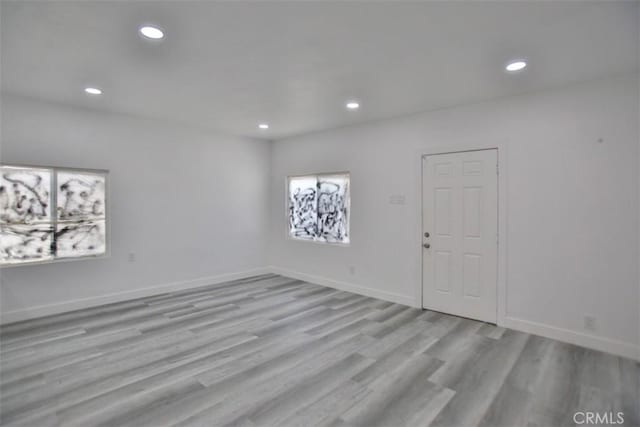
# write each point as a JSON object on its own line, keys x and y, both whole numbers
{"x": 459, "y": 226}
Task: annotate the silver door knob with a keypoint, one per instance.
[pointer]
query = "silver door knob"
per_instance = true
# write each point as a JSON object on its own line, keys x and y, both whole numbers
{"x": 426, "y": 246}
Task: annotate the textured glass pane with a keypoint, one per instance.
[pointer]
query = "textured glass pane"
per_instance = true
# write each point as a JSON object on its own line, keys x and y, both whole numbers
{"x": 24, "y": 195}
{"x": 333, "y": 208}
{"x": 77, "y": 239}
{"x": 81, "y": 195}
{"x": 25, "y": 243}
{"x": 303, "y": 220}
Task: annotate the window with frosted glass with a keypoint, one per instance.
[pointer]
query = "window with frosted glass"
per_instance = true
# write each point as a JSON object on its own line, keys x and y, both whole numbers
{"x": 318, "y": 207}
{"x": 48, "y": 214}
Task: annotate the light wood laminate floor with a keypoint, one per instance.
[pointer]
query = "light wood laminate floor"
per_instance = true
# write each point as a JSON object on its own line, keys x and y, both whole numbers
{"x": 274, "y": 351}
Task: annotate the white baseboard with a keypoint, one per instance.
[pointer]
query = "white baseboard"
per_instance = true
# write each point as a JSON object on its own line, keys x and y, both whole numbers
{"x": 607, "y": 345}
{"x": 344, "y": 286}
{"x": 49, "y": 309}
{"x": 566, "y": 335}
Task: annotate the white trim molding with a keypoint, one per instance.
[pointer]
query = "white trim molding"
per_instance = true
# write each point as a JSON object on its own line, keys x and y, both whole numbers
{"x": 607, "y": 345}
{"x": 604, "y": 344}
{"x": 78, "y": 304}
{"x": 344, "y": 286}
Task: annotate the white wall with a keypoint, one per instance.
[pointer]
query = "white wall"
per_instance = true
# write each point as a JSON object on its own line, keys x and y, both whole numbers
{"x": 190, "y": 204}
{"x": 571, "y": 210}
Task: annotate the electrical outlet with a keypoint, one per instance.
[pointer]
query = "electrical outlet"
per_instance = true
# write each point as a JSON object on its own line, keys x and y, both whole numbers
{"x": 397, "y": 199}
{"x": 132, "y": 257}
{"x": 352, "y": 270}
{"x": 590, "y": 323}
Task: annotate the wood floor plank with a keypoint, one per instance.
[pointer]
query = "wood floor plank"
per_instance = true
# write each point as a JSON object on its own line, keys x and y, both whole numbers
{"x": 271, "y": 380}
{"x": 58, "y": 396}
{"x": 487, "y": 372}
{"x": 311, "y": 389}
{"x": 395, "y": 357}
{"x": 396, "y": 396}
{"x": 328, "y": 407}
{"x": 144, "y": 390}
{"x": 512, "y": 404}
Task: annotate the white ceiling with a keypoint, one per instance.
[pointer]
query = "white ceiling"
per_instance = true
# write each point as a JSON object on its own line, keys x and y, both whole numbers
{"x": 230, "y": 65}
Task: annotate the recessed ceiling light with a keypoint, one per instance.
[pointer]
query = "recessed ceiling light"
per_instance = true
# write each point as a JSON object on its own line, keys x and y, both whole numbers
{"x": 516, "y": 66}
{"x": 93, "y": 91}
{"x": 263, "y": 126}
{"x": 150, "y": 32}
{"x": 352, "y": 105}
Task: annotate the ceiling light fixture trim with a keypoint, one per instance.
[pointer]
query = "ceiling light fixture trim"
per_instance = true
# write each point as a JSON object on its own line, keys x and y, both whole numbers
{"x": 515, "y": 66}
{"x": 151, "y": 32}
{"x": 93, "y": 90}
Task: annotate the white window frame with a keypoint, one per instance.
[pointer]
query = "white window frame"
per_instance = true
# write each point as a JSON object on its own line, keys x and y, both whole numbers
{"x": 287, "y": 206}
{"x": 54, "y": 212}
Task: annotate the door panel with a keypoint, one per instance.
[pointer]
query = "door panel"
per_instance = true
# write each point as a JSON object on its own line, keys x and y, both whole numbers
{"x": 472, "y": 275}
{"x": 443, "y": 211}
{"x": 472, "y": 207}
{"x": 442, "y": 271}
{"x": 460, "y": 216}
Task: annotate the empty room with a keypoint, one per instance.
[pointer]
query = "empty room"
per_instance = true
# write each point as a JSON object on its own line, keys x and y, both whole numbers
{"x": 319, "y": 213}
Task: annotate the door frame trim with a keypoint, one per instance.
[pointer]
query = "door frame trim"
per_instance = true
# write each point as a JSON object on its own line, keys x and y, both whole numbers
{"x": 501, "y": 282}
